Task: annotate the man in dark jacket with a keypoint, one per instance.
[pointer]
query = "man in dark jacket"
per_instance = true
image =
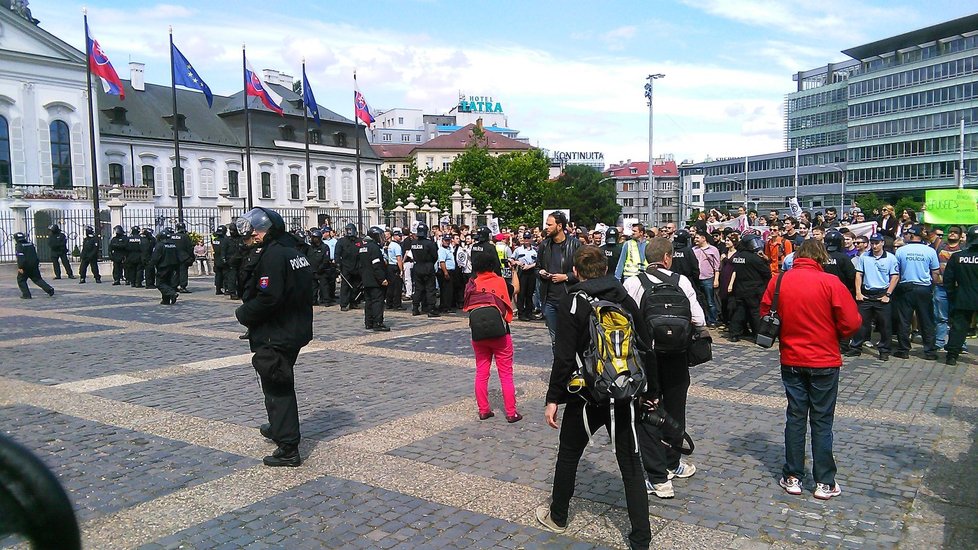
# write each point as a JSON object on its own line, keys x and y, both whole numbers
{"x": 90, "y": 253}
{"x": 590, "y": 266}
{"x": 961, "y": 283}
{"x": 279, "y": 321}
{"x": 147, "y": 243}
{"x": 166, "y": 260}
{"x": 134, "y": 257}
{"x": 425, "y": 254}
{"x": 185, "y": 253}
{"x": 750, "y": 277}
{"x": 319, "y": 259}
{"x": 233, "y": 256}
{"x": 220, "y": 263}
{"x": 58, "y": 242}
{"x": 373, "y": 274}
{"x": 28, "y": 267}
{"x": 555, "y": 258}
{"x": 118, "y": 249}
{"x": 347, "y": 248}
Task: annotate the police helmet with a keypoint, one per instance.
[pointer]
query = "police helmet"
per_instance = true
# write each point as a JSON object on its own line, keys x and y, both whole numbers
{"x": 483, "y": 234}
{"x": 972, "y": 236}
{"x": 20, "y": 237}
{"x": 350, "y": 230}
{"x": 55, "y": 228}
{"x": 119, "y": 230}
{"x": 181, "y": 226}
{"x": 680, "y": 239}
{"x": 260, "y": 219}
{"x": 167, "y": 232}
{"x": 134, "y": 230}
{"x": 753, "y": 243}
{"x": 221, "y": 230}
{"x": 315, "y": 234}
{"x": 376, "y": 234}
{"x": 146, "y": 232}
{"x": 422, "y": 231}
{"x": 233, "y": 230}
{"x": 833, "y": 241}
{"x": 89, "y": 230}
{"x": 611, "y": 236}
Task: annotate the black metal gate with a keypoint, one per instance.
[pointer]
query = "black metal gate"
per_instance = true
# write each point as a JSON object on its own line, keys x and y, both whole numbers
{"x": 72, "y": 223}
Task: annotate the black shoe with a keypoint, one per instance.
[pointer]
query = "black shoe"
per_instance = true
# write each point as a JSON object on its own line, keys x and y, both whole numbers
{"x": 415, "y": 313}
{"x": 901, "y": 355}
{"x": 164, "y": 301}
{"x": 381, "y": 328}
{"x": 854, "y": 352}
{"x": 150, "y": 287}
{"x": 182, "y": 290}
{"x": 99, "y": 281}
{"x": 734, "y": 339}
{"x": 26, "y": 297}
{"x": 245, "y": 336}
{"x": 218, "y": 292}
{"x": 81, "y": 281}
{"x": 434, "y": 314}
{"x": 173, "y": 298}
{"x": 284, "y": 455}
{"x": 930, "y": 356}
{"x": 116, "y": 283}
{"x": 51, "y": 293}
{"x": 265, "y": 430}
{"x": 885, "y": 356}
{"x": 368, "y": 327}
{"x": 71, "y": 276}
{"x": 951, "y": 360}
{"x": 138, "y": 286}
{"x": 344, "y": 308}
{"x": 58, "y": 278}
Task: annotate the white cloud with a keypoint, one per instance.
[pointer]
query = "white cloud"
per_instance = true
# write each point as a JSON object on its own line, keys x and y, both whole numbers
{"x": 616, "y": 38}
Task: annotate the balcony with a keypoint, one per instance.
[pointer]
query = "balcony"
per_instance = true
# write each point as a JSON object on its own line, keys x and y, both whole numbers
{"x": 47, "y": 192}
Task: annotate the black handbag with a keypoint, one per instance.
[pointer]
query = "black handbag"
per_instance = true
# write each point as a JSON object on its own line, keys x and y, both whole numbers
{"x": 700, "y": 348}
{"x": 487, "y": 322}
{"x": 770, "y": 326}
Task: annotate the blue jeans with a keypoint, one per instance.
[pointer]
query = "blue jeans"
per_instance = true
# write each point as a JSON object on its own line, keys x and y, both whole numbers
{"x": 550, "y": 316}
{"x": 811, "y": 396}
{"x": 711, "y": 301}
{"x": 941, "y": 315}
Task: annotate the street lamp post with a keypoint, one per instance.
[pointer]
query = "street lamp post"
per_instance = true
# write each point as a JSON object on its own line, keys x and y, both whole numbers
{"x": 844, "y": 173}
{"x": 648, "y": 95}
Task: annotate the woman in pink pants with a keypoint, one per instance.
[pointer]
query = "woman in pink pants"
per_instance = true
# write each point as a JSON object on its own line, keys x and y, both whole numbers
{"x": 489, "y": 288}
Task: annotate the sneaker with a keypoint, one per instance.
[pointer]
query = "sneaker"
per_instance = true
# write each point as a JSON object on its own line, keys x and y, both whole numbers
{"x": 486, "y": 416}
{"x": 543, "y": 517}
{"x": 661, "y": 490}
{"x": 685, "y": 469}
{"x": 515, "y": 418}
{"x": 825, "y": 492}
{"x": 791, "y": 485}
{"x": 854, "y": 352}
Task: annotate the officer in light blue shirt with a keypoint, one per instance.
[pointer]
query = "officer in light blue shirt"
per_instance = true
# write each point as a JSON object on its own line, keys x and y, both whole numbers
{"x": 394, "y": 256}
{"x": 877, "y": 273}
{"x": 330, "y": 240}
{"x": 919, "y": 268}
{"x": 444, "y": 270}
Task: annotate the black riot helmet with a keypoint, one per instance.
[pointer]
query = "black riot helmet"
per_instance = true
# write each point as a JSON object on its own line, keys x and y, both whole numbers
{"x": 483, "y": 234}
{"x": 55, "y": 228}
{"x": 833, "y": 241}
{"x": 261, "y": 219}
{"x": 611, "y": 236}
{"x": 146, "y": 232}
{"x": 972, "y": 236}
{"x": 316, "y": 234}
{"x": 680, "y": 239}
{"x": 422, "y": 231}
{"x": 181, "y": 226}
{"x": 89, "y": 231}
{"x": 350, "y": 230}
{"x": 167, "y": 232}
{"x": 752, "y": 243}
{"x": 134, "y": 230}
{"x": 20, "y": 237}
{"x": 376, "y": 234}
{"x": 221, "y": 230}
{"x": 119, "y": 231}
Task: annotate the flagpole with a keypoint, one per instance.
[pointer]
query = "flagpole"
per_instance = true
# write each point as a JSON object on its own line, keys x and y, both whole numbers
{"x": 356, "y": 132}
{"x": 244, "y": 76}
{"x": 305, "y": 120}
{"x": 178, "y": 172}
{"x": 91, "y": 127}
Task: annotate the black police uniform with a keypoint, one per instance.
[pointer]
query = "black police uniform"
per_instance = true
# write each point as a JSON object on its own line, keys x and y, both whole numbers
{"x": 29, "y": 267}
{"x": 961, "y": 283}
{"x": 90, "y": 253}
{"x": 347, "y": 248}
{"x": 841, "y": 266}
{"x": 185, "y": 253}
{"x": 58, "y": 243}
{"x": 425, "y": 254}
{"x": 147, "y": 243}
{"x": 278, "y": 314}
{"x": 134, "y": 257}
{"x": 166, "y": 259}
{"x": 233, "y": 253}
{"x": 118, "y": 249}
{"x": 319, "y": 260}
{"x": 753, "y": 274}
{"x": 220, "y": 264}
{"x": 684, "y": 262}
{"x": 613, "y": 253}
{"x": 373, "y": 274}
{"x": 488, "y": 249}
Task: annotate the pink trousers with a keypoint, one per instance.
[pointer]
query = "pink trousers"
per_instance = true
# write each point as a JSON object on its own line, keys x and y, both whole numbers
{"x": 502, "y": 349}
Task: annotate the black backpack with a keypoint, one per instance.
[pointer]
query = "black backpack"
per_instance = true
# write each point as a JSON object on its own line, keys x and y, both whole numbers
{"x": 666, "y": 309}
{"x": 611, "y": 366}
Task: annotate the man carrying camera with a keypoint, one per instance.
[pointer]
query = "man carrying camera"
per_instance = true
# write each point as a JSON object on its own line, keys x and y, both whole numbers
{"x": 822, "y": 312}
{"x": 663, "y": 464}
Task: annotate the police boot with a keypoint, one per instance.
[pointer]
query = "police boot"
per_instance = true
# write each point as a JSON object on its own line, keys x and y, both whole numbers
{"x": 265, "y": 430}
{"x": 81, "y": 281}
{"x": 284, "y": 455}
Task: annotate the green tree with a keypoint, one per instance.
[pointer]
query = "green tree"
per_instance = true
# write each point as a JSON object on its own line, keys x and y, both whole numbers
{"x": 590, "y": 197}
{"x": 522, "y": 180}
{"x": 869, "y": 202}
{"x": 908, "y": 202}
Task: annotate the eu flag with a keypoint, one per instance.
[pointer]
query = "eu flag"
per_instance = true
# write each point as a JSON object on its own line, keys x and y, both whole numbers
{"x": 185, "y": 75}
{"x": 308, "y": 98}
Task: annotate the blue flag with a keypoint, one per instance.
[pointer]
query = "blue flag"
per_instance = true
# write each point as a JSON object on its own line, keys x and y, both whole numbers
{"x": 308, "y": 98}
{"x": 185, "y": 75}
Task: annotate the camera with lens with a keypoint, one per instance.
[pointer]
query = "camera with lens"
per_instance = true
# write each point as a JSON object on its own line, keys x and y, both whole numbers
{"x": 768, "y": 330}
{"x": 671, "y": 430}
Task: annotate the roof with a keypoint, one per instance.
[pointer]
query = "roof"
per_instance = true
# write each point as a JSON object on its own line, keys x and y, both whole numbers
{"x": 291, "y": 105}
{"x": 393, "y": 151}
{"x": 493, "y": 128}
{"x": 464, "y": 138}
{"x": 914, "y": 38}
{"x": 665, "y": 170}
{"x": 65, "y": 51}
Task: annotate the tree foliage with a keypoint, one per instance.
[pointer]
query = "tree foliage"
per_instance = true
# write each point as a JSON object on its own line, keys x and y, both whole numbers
{"x": 589, "y": 196}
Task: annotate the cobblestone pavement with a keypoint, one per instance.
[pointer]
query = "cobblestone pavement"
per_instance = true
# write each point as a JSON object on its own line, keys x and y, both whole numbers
{"x": 148, "y": 415}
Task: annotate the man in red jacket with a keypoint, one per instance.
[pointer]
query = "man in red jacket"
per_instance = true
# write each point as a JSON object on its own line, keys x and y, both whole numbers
{"x": 821, "y": 312}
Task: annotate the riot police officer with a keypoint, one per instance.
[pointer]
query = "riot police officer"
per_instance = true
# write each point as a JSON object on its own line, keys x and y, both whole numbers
{"x": 233, "y": 252}
{"x": 185, "y": 253}
{"x": 28, "y": 267}
{"x": 347, "y": 249}
{"x": 133, "y": 257}
{"x": 166, "y": 259}
{"x": 839, "y": 263}
{"x": 278, "y": 314}
{"x": 961, "y": 283}
{"x": 220, "y": 263}
{"x": 319, "y": 260}
{"x": 611, "y": 248}
{"x": 373, "y": 274}
{"x": 90, "y": 254}
{"x": 147, "y": 243}
{"x": 750, "y": 277}
{"x": 483, "y": 246}
{"x": 58, "y": 242}
{"x": 118, "y": 249}
{"x": 425, "y": 254}
{"x": 684, "y": 260}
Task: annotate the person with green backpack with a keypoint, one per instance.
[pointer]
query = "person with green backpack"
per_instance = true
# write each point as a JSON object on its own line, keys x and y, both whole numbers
{"x": 599, "y": 375}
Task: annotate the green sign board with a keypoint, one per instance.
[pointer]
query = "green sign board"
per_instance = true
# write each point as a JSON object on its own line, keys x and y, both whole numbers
{"x": 946, "y": 206}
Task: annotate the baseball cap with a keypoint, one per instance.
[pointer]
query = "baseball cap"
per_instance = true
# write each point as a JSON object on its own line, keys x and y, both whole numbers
{"x": 501, "y": 237}
{"x": 326, "y": 228}
{"x": 914, "y": 230}
{"x": 527, "y": 235}
{"x": 876, "y": 237}
{"x": 446, "y": 237}
{"x": 396, "y": 231}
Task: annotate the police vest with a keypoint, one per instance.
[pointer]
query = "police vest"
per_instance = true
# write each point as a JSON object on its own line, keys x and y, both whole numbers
{"x": 634, "y": 263}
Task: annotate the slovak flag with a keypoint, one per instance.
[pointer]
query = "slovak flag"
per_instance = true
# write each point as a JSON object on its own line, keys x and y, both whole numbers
{"x": 256, "y": 87}
{"x": 102, "y": 68}
{"x": 360, "y": 106}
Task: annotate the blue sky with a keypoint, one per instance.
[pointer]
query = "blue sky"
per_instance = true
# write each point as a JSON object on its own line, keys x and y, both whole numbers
{"x": 569, "y": 74}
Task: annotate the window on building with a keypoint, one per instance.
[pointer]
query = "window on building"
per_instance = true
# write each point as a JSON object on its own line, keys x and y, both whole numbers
{"x": 288, "y": 132}
{"x": 446, "y": 165}
{"x": 60, "y": 155}
{"x": 266, "y": 185}
{"x": 339, "y": 139}
{"x": 315, "y": 137}
{"x": 386, "y": 137}
{"x": 294, "y": 186}
{"x": 430, "y": 162}
{"x": 347, "y": 181}
{"x": 207, "y": 187}
{"x": 405, "y": 170}
{"x": 149, "y": 175}
{"x": 5, "y": 174}
{"x": 321, "y": 187}
{"x": 417, "y": 138}
{"x": 400, "y": 120}
{"x": 116, "y": 176}
{"x": 697, "y": 198}
{"x": 233, "y": 183}
{"x": 405, "y": 138}
{"x": 696, "y": 185}
{"x": 173, "y": 184}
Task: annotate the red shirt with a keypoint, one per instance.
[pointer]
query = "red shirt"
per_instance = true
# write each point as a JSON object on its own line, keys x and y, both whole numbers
{"x": 816, "y": 311}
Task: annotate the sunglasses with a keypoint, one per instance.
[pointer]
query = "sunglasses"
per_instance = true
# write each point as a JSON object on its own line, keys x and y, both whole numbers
{"x": 939, "y": 234}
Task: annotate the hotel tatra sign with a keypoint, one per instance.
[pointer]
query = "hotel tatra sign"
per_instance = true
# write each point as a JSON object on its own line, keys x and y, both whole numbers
{"x": 479, "y": 104}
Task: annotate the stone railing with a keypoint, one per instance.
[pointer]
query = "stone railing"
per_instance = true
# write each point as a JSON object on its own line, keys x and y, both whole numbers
{"x": 47, "y": 192}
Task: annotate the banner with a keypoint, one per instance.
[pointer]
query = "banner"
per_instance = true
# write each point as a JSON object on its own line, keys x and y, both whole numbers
{"x": 738, "y": 224}
{"x": 947, "y": 206}
{"x": 862, "y": 229}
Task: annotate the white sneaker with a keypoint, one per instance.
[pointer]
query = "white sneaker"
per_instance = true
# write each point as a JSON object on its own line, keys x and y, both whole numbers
{"x": 543, "y": 516}
{"x": 824, "y": 491}
{"x": 791, "y": 485}
{"x": 685, "y": 469}
{"x": 661, "y": 490}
